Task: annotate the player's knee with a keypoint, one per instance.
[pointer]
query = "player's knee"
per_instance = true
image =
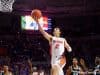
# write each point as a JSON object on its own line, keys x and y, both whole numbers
{"x": 55, "y": 68}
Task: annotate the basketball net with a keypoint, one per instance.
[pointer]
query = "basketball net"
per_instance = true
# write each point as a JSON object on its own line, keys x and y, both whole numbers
{"x": 6, "y": 5}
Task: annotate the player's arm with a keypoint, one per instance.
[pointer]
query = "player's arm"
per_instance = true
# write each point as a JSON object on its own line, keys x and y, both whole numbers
{"x": 67, "y": 46}
{"x": 68, "y": 71}
{"x": 30, "y": 66}
{"x": 44, "y": 33}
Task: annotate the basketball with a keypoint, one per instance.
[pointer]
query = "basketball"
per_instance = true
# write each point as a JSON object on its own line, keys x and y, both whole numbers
{"x": 36, "y": 13}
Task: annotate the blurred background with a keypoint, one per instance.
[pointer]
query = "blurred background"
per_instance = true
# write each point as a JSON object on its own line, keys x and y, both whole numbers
{"x": 79, "y": 21}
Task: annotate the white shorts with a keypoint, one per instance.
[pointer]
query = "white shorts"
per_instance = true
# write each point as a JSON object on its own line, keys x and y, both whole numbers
{"x": 60, "y": 71}
{"x": 56, "y": 62}
{"x": 61, "y": 61}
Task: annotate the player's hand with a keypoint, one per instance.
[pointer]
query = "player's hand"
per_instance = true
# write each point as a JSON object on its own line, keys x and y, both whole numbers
{"x": 36, "y": 19}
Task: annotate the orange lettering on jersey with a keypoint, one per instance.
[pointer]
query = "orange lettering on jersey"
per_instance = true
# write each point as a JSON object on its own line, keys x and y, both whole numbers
{"x": 57, "y": 41}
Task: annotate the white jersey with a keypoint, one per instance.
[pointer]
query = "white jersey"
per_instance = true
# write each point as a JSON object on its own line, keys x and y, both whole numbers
{"x": 57, "y": 49}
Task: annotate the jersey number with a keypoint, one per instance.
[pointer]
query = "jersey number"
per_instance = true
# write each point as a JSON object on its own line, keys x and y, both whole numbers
{"x": 57, "y": 46}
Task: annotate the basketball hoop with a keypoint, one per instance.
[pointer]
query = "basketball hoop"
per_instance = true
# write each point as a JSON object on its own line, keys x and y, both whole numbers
{"x": 6, "y": 5}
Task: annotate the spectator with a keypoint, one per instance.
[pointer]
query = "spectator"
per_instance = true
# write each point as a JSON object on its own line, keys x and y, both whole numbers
{"x": 97, "y": 68}
{"x": 6, "y": 70}
{"x": 83, "y": 65}
{"x": 74, "y": 69}
{"x": 30, "y": 69}
{"x": 15, "y": 69}
{"x": 23, "y": 69}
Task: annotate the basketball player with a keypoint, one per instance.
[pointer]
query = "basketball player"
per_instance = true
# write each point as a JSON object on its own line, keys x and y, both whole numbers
{"x": 57, "y": 45}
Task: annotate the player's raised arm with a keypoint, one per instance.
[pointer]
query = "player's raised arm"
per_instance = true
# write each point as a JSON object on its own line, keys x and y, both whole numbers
{"x": 44, "y": 33}
{"x": 67, "y": 46}
{"x": 36, "y": 15}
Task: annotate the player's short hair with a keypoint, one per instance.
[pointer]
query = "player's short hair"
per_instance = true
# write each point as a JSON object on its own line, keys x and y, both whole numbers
{"x": 57, "y": 27}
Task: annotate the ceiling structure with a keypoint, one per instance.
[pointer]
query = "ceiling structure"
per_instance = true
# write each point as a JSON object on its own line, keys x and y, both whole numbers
{"x": 63, "y": 7}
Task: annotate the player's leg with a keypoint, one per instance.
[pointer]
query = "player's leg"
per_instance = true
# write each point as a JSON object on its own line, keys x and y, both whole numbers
{"x": 62, "y": 61}
{"x": 60, "y": 65}
{"x": 55, "y": 70}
